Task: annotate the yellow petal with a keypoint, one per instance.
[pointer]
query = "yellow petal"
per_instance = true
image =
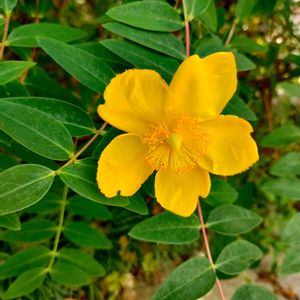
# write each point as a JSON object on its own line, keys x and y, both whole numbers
{"x": 231, "y": 148}
{"x": 202, "y": 86}
{"x": 179, "y": 192}
{"x": 133, "y": 100}
{"x": 122, "y": 167}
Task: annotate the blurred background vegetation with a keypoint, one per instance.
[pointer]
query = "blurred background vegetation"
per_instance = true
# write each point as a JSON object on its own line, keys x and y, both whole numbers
{"x": 266, "y": 36}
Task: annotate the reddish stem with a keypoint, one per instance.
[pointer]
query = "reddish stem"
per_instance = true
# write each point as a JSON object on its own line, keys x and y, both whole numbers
{"x": 187, "y": 38}
{"x": 207, "y": 248}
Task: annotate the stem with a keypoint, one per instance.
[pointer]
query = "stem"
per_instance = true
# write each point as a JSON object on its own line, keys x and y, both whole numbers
{"x": 231, "y": 32}
{"x": 98, "y": 132}
{"x": 4, "y": 37}
{"x": 207, "y": 248}
{"x": 59, "y": 226}
{"x": 187, "y": 38}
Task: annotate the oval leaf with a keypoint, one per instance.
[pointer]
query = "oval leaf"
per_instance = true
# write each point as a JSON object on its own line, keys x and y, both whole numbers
{"x": 162, "y": 42}
{"x": 287, "y": 165}
{"x": 69, "y": 275}
{"x": 10, "y": 221}
{"x": 81, "y": 177}
{"x": 87, "y": 208}
{"x": 253, "y": 292}
{"x": 76, "y": 120}
{"x": 237, "y": 257}
{"x": 24, "y": 260}
{"x": 143, "y": 58}
{"x": 195, "y": 8}
{"x": 151, "y": 15}
{"x": 22, "y": 186}
{"x": 221, "y": 193}
{"x": 34, "y": 230}
{"x": 284, "y": 187}
{"x": 291, "y": 262}
{"x": 191, "y": 280}
{"x": 82, "y": 234}
{"x": 25, "y": 35}
{"x": 281, "y": 137}
{"x": 230, "y": 219}
{"x": 36, "y": 131}
{"x": 137, "y": 204}
{"x": 88, "y": 69}
{"x": 81, "y": 260}
{"x": 291, "y": 232}
{"x": 167, "y": 228}
{"x": 10, "y": 70}
{"x": 26, "y": 283}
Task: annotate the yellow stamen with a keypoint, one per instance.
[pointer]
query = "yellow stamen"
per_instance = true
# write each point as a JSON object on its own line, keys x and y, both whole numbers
{"x": 177, "y": 147}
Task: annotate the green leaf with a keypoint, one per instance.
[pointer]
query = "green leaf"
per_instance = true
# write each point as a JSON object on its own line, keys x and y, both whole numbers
{"x": 288, "y": 165}
{"x": 284, "y": 187}
{"x": 221, "y": 193}
{"x": 69, "y": 275}
{"x": 243, "y": 63}
{"x": 76, "y": 120}
{"x": 162, "y": 42}
{"x": 12, "y": 69}
{"x": 10, "y": 221}
{"x": 230, "y": 219}
{"x": 209, "y": 17}
{"x": 247, "y": 45}
{"x": 167, "y": 228}
{"x": 151, "y": 15}
{"x": 36, "y": 130}
{"x": 26, "y": 283}
{"x": 41, "y": 84}
{"x": 81, "y": 260}
{"x": 49, "y": 203}
{"x": 81, "y": 178}
{"x": 290, "y": 88}
{"x": 26, "y": 35}
{"x": 291, "y": 262}
{"x": 237, "y": 257}
{"x": 191, "y": 280}
{"x": 13, "y": 89}
{"x": 89, "y": 70}
{"x": 24, "y": 260}
{"x": 22, "y": 186}
{"x": 281, "y": 137}
{"x": 143, "y": 58}
{"x": 195, "y": 8}
{"x": 137, "y": 204}
{"x": 34, "y": 230}
{"x": 253, "y": 292}
{"x": 87, "y": 208}
{"x": 8, "y": 5}
{"x": 291, "y": 232}
{"x": 244, "y": 9}
{"x": 236, "y": 106}
{"x": 82, "y": 234}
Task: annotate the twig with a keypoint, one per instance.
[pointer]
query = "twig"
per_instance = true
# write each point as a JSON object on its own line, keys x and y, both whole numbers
{"x": 207, "y": 248}
{"x": 98, "y": 132}
{"x": 4, "y": 37}
{"x": 231, "y": 32}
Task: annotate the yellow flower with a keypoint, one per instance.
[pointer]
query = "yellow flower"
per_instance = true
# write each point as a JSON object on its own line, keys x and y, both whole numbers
{"x": 176, "y": 130}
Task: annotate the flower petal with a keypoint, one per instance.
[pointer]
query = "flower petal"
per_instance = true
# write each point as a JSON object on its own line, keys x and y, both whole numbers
{"x": 134, "y": 99}
{"x": 179, "y": 192}
{"x": 122, "y": 167}
{"x": 231, "y": 148}
{"x": 203, "y": 86}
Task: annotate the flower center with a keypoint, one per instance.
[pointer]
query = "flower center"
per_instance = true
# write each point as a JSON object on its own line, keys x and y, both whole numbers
{"x": 177, "y": 146}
